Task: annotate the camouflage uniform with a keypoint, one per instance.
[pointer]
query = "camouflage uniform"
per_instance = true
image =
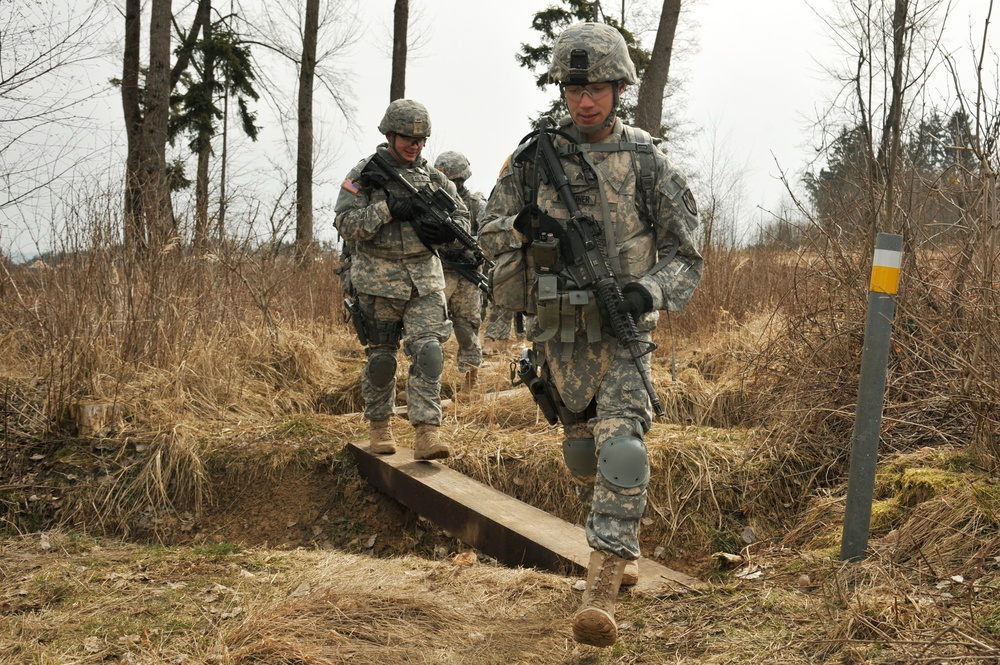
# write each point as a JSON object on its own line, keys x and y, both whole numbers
{"x": 499, "y": 323}
{"x": 608, "y": 409}
{"x": 465, "y": 301}
{"x": 400, "y": 288}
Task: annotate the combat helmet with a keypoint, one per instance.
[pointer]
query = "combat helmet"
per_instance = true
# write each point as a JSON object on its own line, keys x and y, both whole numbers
{"x": 406, "y": 117}
{"x": 591, "y": 53}
{"x": 454, "y": 165}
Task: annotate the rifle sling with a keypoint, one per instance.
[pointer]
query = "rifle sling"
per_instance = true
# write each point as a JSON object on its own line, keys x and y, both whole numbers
{"x": 609, "y": 229}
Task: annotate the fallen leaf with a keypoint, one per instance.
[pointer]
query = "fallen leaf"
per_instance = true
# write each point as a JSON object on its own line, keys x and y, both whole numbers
{"x": 465, "y": 559}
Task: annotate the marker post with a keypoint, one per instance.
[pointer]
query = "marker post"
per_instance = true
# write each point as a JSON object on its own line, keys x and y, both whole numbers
{"x": 871, "y": 394}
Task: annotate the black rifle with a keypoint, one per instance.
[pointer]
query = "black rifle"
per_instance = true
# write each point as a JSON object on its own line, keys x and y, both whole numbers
{"x": 435, "y": 205}
{"x": 465, "y": 264}
{"x": 587, "y": 262}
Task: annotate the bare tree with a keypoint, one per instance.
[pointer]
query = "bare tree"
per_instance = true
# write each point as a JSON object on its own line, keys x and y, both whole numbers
{"x": 156, "y": 209}
{"x": 311, "y": 42}
{"x": 649, "y": 107}
{"x": 891, "y": 45}
{"x": 45, "y": 104}
{"x": 401, "y": 17}
{"x": 304, "y": 158}
{"x": 204, "y": 141}
{"x": 148, "y": 210}
{"x": 134, "y": 234}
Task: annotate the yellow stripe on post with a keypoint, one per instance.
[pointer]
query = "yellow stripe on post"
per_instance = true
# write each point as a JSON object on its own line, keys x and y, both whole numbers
{"x": 885, "y": 271}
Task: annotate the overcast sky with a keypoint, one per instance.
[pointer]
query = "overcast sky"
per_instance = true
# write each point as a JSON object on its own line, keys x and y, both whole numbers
{"x": 752, "y": 84}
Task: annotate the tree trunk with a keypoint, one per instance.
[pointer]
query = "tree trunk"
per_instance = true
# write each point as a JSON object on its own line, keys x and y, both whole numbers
{"x": 155, "y": 196}
{"x": 133, "y": 233}
{"x": 304, "y": 159}
{"x": 401, "y": 17}
{"x": 200, "y": 240}
{"x": 649, "y": 107}
{"x": 889, "y": 149}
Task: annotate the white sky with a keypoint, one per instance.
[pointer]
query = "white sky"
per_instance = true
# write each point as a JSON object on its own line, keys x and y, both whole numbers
{"x": 751, "y": 87}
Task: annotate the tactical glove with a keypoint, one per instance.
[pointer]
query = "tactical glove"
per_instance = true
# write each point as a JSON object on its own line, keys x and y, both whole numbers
{"x": 402, "y": 208}
{"x": 637, "y": 300}
{"x": 522, "y": 223}
{"x": 458, "y": 256}
{"x": 371, "y": 177}
{"x": 432, "y": 233}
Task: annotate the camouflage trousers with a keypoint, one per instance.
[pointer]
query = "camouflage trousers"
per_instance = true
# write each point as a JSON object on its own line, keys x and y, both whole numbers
{"x": 623, "y": 410}
{"x": 424, "y": 322}
{"x": 499, "y": 323}
{"x": 465, "y": 309}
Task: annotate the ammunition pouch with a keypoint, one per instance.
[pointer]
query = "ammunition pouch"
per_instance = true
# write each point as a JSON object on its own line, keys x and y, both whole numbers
{"x": 548, "y": 244}
{"x": 385, "y": 333}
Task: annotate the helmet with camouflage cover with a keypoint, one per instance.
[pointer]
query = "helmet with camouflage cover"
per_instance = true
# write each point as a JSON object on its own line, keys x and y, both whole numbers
{"x": 406, "y": 117}
{"x": 454, "y": 165}
{"x": 591, "y": 53}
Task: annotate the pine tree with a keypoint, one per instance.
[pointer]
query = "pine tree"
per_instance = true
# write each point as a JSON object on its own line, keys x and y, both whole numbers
{"x": 550, "y": 22}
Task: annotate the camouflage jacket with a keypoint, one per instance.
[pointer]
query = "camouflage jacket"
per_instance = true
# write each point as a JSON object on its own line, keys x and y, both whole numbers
{"x": 387, "y": 257}
{"x": 475, "y": 202}
{"x": 653, "y": 244}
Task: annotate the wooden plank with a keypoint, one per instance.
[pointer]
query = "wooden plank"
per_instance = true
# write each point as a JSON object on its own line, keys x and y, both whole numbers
{"x": 509, "y": 530}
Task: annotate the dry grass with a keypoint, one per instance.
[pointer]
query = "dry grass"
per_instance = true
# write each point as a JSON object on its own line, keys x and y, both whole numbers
{"x": 249, "y": 389}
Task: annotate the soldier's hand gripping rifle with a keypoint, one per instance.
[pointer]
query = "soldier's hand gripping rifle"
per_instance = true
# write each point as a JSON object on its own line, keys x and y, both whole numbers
{"x": 465, "y": 264}
{"x": 434, "y": 206}
{"x": 586, "y": 260}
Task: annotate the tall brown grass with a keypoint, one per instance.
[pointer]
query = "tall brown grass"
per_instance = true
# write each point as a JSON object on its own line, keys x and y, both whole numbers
{"x": 192, "y": 344}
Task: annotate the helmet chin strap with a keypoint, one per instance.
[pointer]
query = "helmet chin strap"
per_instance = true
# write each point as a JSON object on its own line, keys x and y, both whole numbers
{"x": 402, "y": 161}
{"x": 610, "y": 120}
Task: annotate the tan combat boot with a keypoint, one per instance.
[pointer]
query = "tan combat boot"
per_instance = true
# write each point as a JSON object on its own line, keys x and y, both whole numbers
{"x": 381, "y": 441}
{"x": 471, "y": 379}
{"x": 595, "y": 623}
{"x": 428, "y": 445}
{"x": 488, "y": 346}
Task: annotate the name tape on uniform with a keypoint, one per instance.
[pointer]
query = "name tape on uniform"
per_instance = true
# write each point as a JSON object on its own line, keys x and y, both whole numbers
{"x": 885, "y": 271}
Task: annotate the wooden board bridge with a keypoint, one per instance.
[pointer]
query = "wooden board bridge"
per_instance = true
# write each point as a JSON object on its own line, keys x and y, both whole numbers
{"x": 511, "y": 531}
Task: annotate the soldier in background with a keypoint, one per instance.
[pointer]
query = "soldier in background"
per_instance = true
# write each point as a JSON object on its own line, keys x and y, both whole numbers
{"x": 465, "y": 300}
{"x": 499, "y": 324}
{"x": 398, "y": 280}
{"x": 648, "y": 217}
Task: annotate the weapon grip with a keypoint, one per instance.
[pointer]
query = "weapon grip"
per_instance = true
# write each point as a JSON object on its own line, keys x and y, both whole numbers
{"x": 527, "y": 373}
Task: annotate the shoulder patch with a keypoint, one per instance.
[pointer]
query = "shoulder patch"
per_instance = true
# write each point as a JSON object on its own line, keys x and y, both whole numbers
{"x": 350, "y": 185}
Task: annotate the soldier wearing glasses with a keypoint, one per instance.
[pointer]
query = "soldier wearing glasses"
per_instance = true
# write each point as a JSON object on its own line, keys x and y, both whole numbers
{"x": 398, "y": 281}
{"x": 621, "y": 179}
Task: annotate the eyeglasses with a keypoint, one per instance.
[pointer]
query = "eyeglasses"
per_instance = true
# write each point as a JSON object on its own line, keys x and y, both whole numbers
{"x": 413, "y": 140}
{"x": 595, "y": 90}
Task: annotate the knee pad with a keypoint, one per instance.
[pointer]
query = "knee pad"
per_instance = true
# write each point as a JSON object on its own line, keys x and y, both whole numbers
{"x": 381, "y": 368}
{"x": 428, "y": 362}
{"x": 580, "y": 456}
{"x": 624, "y": 462}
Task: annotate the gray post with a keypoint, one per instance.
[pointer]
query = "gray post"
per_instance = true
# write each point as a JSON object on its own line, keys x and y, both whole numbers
{"x": 871, "y": 395}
